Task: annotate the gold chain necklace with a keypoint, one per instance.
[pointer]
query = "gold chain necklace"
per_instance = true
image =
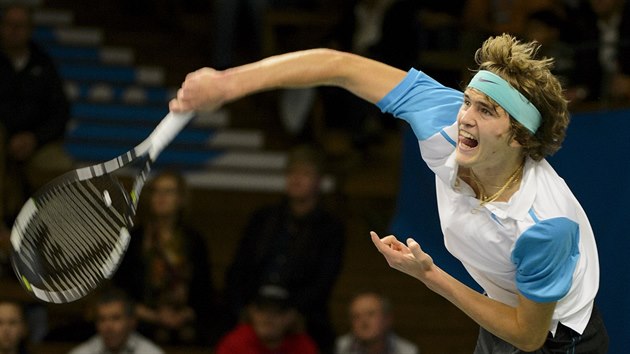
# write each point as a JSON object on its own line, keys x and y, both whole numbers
{"x": 512, "y": 180}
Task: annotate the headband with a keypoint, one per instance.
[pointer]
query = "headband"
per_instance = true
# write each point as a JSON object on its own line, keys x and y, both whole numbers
{"x": 517, "y": 105}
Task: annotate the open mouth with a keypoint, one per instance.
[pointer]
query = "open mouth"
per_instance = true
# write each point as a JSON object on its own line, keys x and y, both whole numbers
{"x": 467, "y": 140}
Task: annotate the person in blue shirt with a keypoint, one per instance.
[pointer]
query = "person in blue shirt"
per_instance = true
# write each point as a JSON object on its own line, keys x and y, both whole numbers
{"x": 504, "y": 212}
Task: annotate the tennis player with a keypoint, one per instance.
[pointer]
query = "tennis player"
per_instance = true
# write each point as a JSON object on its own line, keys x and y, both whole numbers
{"x": 505, "y": 213}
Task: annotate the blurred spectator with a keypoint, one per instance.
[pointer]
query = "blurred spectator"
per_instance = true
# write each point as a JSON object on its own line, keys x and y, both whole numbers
{"x": 232, "y": 17}
{"x": 426, "y": 26}
{"x": 371, "y": 331}
{"x": 5, "y": 248}
{"x": 349, "y": 123}
{"x": 361, "y": 26}
{"x": 166, "y": 269}
{"x": 33, "y": 113}
{"x": 237, "y": 36}
{"x": 169, "y": 14}
{"x": 271, "y": 326}
{"x": 483, "y": 18}
{"x": 116, "y": 321}
{"x": 297, "y": 244}
{"x": 495, "y": 17}
{"x": 601, "y": 30}
{"x": 549, "y": 29}
{"x": 13, "y": 328}
{"x": 374, "y": 28}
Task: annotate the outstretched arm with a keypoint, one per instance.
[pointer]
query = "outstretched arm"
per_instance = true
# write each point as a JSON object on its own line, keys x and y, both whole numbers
{"x": 209, "y": 89}
{"x": 524, "y": 326}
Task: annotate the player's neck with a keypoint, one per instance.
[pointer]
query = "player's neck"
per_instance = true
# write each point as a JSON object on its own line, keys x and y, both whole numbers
{"x": 500, "y": 185}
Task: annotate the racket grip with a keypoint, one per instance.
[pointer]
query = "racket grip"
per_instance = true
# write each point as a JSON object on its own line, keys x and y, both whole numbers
{"x": 166, "y": 131}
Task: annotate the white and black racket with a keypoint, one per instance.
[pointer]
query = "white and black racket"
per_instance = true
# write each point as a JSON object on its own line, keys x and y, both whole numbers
{"x": 73, "y": 232}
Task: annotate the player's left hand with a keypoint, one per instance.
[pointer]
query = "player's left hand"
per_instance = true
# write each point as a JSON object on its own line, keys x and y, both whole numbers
{"x": 407, "y": 258}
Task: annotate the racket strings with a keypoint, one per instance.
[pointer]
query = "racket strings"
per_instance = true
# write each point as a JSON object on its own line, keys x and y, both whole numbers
{"x": 74, "y": 239}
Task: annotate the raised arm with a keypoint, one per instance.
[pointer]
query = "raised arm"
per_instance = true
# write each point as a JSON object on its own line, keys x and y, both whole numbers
{"x": 208, "y": 89}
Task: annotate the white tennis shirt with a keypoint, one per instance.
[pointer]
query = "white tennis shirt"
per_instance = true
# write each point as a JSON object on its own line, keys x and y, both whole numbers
{"x": 539, "y": 243}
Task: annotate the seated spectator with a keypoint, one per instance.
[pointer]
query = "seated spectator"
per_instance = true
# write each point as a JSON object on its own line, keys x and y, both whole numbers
{"x": 5, "y": 250}
{"x": 601, "y": 33}
{"x": 548, "y": 28}
{"x": 116, "y": 321}
{"x": 373, "y": 28}
{"x": 231, "y": 15}
{"x": 33, "y": 113}
{"x": 166, "y": 269}
{"x": 271, "y": 326}
{"x": 349, "y": 122}
{"x": 371, "y": 330}
{"x": 483, "y": 18}
{"x": 496, "y": 17}
{"x": 296, "y": 243}
{"x": 13, "y": 328}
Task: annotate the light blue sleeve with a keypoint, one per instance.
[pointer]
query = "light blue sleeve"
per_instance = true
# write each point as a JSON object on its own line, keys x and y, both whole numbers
{"x": 424, "y": 103}
{"x": 545, "y": 256}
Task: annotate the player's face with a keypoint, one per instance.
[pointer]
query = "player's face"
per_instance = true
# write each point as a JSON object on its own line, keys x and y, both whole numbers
{"x": 368, "y": 321}
{"x": 485, "y": 136}
{"x": 114, "y": 325}
{"x": 303, "y": 181}
{"x": 166, "y": 198}
{"x": 12, "y": 328}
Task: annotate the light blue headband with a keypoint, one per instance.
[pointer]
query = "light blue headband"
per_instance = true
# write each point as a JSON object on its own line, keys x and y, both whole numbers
{"x": 517, "y": 105}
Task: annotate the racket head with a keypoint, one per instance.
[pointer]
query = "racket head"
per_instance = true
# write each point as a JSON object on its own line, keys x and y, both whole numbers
{"x": 71, "y": 235}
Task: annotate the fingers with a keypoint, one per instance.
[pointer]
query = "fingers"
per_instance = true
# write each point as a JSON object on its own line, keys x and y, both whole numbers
{"x": 178, "y": 106}
{"x": 414, "y": 247}
{"x": 180, "y": 103}
{"x": 198, "y": 72}
{"x": 174, "y": 106}
{"x": 377, "y": 241}
{"x": 387, "y": 243}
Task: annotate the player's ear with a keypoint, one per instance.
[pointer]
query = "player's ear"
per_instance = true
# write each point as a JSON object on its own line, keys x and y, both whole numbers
{"x": 514, "y": 143}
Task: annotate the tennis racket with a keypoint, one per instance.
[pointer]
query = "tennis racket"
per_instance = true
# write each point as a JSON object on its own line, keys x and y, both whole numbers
{"x": 73, "y": 232}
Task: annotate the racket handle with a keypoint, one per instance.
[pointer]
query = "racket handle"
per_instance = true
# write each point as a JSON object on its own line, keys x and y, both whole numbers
{"x": 166, "y": 131}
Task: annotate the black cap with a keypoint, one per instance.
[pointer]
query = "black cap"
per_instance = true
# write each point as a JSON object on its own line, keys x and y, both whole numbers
{"x": 273, "y": 297}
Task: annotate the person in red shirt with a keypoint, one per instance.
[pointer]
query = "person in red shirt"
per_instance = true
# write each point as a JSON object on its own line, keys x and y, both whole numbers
{"x": 271, "y": 326}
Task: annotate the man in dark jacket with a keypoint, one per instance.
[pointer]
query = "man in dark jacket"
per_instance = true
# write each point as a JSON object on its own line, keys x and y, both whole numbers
{"x": 33, "y": 111}
{"x": 601, "y": 36}
{"x": 297, "y": 244}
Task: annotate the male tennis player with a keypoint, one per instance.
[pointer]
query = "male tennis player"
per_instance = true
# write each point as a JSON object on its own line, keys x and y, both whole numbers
{"x": 505, "y": 213}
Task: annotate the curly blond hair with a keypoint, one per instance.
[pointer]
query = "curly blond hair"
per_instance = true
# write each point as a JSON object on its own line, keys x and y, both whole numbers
{"x": 516, "y": 62}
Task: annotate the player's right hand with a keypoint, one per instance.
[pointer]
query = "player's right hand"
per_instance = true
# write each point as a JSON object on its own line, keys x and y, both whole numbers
{"x": 202, "y": 90}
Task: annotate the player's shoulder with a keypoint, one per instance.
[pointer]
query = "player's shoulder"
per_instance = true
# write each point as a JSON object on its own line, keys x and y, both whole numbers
{"x": 554, "y": 197}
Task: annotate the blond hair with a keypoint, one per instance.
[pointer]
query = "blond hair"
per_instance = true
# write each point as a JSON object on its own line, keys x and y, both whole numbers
{"x": 516, "y": 62}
